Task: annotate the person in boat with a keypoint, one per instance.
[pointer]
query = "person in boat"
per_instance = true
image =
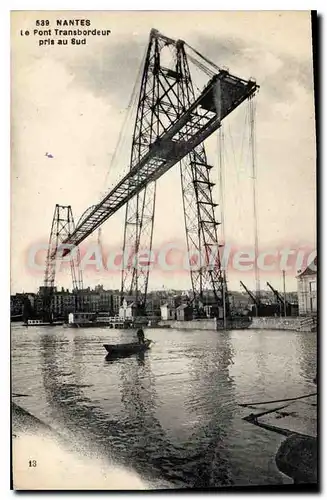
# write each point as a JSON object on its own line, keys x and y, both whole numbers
{"x": 140, "y": 336}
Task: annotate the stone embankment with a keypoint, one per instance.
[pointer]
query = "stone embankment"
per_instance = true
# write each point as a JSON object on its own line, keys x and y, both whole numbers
{"x": 297, "y": 458}
{"x": 297, "y": 324}
{"x": 206, "y": 324}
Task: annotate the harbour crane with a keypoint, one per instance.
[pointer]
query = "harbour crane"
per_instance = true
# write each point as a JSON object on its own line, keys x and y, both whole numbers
{"x": 256, "y": 301}
{"x": 283, "y": 303}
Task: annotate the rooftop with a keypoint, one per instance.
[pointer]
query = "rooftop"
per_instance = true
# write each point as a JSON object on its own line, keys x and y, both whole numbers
{"x": 308, "y": 271}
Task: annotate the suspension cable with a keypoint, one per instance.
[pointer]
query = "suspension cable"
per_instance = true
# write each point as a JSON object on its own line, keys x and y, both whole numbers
{"x": 201, "y": 66}
{"x": 252, "y": 145}
{"x": 130, "y": 108}
{"x": 245, "y": 127}
{"x": 221, "y": 146}
{"x": 204, "y": 58}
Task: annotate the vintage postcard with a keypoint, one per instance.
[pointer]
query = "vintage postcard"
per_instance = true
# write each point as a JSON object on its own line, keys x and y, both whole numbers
{"x": 163, "y": 250}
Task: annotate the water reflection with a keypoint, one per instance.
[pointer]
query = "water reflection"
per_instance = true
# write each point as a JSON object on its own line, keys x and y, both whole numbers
{"x": 260, "y": 359}
{"x": 173, "y": 410}
{"x": 70, "y": 407}
{"x": 308, "y": 356}
{"x": 140, "y": 356}
{"x": 137, "y": 438}
{"x": 210, "y": 399}
{"x": 139, "y": 400}
{"x": 148, "y": 442}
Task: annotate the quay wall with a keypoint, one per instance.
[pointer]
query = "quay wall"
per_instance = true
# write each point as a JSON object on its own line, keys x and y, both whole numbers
{"x": 194, "y": 324}
{"x": 205, "y": 324}
{"x": 262, "y": 323}
{"x": 269, "y": 323}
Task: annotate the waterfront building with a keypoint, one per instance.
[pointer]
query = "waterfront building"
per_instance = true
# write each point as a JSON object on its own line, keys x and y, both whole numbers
{"x": 63, "y": 302}
{"x": 153, "y": 305}
{"x": 184, "y": 312}
{"x": 90, "y": 300}
{"x": 16, "y": 304}
{"x": 128, "y": 309}
{"x": 167, "y": 312}
{"x": 116, "y": 300}
{"x": 307, "y": 290}
{"x": 210, "y": 307}
{"x": 22, "y": 304}
{"x": 105, "y": 302}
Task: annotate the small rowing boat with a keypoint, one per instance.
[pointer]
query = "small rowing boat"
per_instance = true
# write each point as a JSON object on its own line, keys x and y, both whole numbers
{"x": 127, "y": 349}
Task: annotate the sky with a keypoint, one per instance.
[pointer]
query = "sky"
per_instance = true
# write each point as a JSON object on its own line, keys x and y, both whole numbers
{"x": 71, "y": 101}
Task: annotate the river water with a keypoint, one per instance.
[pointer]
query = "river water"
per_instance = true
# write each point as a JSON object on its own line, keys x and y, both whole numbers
{"x": 172, "y": 413}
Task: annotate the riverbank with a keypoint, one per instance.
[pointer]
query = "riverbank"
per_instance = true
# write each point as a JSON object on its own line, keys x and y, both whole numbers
{"x": 297, "y": 458}
{"x": 44, "y": 460}
{"x": 24, "y": 422}
{"x": 296, "y": 324}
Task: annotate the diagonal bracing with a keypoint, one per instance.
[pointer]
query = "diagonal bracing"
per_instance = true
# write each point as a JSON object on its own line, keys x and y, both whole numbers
{"x": 171, "y": 125}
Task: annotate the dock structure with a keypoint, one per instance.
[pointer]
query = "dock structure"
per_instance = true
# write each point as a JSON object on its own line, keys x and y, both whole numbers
{"x": 115, "y": 322}
{"x": 84, "y": 319}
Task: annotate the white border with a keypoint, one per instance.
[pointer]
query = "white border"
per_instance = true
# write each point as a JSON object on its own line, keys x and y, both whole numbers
{"x": 5, "y": 156}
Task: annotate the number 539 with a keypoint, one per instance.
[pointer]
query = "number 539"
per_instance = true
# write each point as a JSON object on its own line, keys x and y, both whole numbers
{"x": 43, "y": 22}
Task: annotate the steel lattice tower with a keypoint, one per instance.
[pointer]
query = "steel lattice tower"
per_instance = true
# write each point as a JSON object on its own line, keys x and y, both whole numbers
{"x": 199, "y": 208}
{"x": 164, "y": 96}
{"x": 170, "y": 127}
{"x": 62, "y": 226}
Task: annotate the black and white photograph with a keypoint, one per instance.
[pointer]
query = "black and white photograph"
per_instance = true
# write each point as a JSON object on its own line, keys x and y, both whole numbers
{"x": 163, "y": 274}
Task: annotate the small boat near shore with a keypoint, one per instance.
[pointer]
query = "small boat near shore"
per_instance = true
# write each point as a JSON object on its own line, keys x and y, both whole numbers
{"x": 117, "y": 350}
